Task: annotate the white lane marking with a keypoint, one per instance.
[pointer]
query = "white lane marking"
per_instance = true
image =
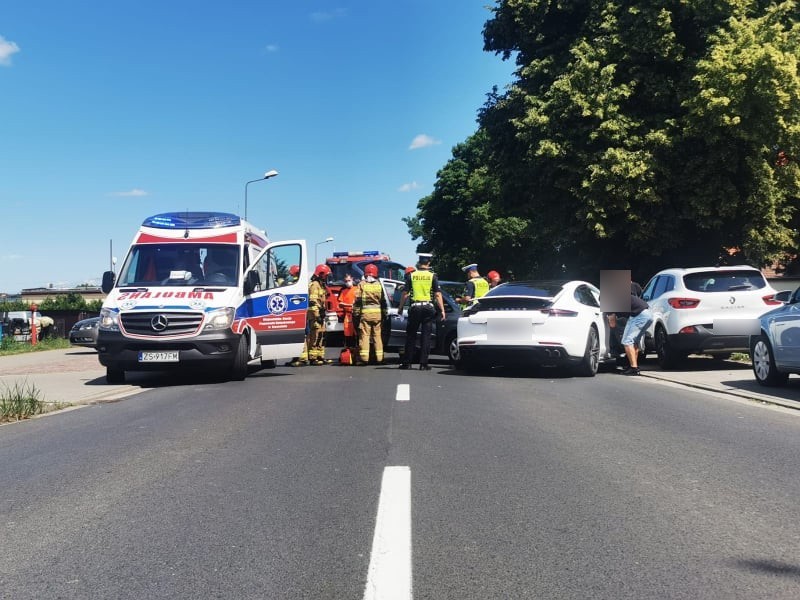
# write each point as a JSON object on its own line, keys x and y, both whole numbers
{"x": 403, "y": 392}
{"x": 389, "y": 575}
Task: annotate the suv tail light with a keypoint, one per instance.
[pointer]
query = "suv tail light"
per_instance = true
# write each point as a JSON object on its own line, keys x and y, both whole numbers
{"x": 683, "y": 302}
{"x": 688, "y": 329}
{"x": 770, "y": 300}
{"x": 558, "y": 312}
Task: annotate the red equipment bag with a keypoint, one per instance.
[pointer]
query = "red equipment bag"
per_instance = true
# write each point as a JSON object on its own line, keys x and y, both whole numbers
{"x": 346, "y": 357}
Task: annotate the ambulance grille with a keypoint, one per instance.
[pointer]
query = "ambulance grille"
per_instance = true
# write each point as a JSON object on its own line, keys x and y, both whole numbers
{"x": 161, "y": 324}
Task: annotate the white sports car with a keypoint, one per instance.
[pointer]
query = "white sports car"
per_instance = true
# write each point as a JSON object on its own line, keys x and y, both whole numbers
{"x": 536, "y": 323}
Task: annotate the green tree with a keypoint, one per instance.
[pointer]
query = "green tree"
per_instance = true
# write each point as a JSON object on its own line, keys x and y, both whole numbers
{"x": 636, "y": 133}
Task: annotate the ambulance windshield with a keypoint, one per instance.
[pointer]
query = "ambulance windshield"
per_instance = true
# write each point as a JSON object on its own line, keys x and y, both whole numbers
{"x": 177, "y": 264}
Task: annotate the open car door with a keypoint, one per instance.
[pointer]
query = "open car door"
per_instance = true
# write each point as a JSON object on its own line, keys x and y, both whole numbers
{"x": 275, "y": 301}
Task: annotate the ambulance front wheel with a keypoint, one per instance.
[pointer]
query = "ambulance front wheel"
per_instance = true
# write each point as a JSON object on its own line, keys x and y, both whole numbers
{"x": 240, "y": 360}
{"x": 115, "y": 376}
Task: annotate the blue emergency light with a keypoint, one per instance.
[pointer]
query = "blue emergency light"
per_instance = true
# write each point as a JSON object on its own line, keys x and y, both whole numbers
{"x": 192, "y": 220}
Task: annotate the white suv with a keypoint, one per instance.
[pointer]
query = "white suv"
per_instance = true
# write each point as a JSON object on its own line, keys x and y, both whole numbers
{"x": 686, "y": 304}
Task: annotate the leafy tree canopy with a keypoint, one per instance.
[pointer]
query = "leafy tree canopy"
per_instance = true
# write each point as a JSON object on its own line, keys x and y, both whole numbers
{"x": 636, "y": 134}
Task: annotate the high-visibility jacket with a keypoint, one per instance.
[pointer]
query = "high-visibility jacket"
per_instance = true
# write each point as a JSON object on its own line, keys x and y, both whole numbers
{"x": 481, "y": 286}
{"x": 421, "y": 286}
{"x": 316, "y": 299}
{"x": 370, "y": 300}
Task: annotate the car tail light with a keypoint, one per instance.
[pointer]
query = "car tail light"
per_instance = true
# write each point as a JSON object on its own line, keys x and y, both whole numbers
{"x": 683, "y": 302}
{"x": 770, "y": 300}
{"x": 559, "y": 312}
{"x": 688, "y": 329}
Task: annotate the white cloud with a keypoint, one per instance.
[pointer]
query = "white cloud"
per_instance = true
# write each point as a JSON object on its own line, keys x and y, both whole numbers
{"x": 133, "y": 192}
{"x": 322, "y": 16}
{"x": 11, "y": 257}
{"x": 407, "y": 187}
{"x": 7, "y": 49}
{"x": 269, "y": 48}
{"x": 423, "y": 141}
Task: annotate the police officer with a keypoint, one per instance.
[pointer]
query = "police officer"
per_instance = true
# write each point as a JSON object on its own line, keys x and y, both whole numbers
{"x": 370, "y": 310}
{"x": 424, "y": 292}
{"x": 476, "y": 286}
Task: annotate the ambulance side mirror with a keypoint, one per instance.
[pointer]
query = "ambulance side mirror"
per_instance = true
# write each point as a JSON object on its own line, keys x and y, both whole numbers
{"x": 109, "y": 279}
{"x": 251, "y": 282}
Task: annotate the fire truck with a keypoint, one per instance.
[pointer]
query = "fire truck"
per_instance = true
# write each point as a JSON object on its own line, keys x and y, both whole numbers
{"x": 353, "y": 263}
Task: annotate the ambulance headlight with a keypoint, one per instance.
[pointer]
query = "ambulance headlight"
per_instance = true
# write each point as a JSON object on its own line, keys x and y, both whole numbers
{"x": 219, "y": 319}
{"x": 109, "y": 319}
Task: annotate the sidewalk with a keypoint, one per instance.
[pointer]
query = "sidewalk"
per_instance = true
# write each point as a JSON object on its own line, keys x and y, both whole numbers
{"x": 70, "y": 376}
{"x": 725, "y": 376}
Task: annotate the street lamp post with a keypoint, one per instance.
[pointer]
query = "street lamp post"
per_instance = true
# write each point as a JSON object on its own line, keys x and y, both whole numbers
{"x": 325, "y": 241}
{"x": 267, "y": 175}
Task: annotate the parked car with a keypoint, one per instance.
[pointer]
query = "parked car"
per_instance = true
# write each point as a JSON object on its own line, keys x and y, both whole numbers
{"x": 84, "y": 333}
{"x": 443, "y": 337}
{"x": 775, "y": 350}
{"x": 536, "y": 323}
{"x": 705, "y": 310}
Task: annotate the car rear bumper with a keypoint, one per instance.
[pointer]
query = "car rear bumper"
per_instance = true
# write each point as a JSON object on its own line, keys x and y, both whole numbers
{"x": 516, "y": 355}
{"x": 706, "y": 342}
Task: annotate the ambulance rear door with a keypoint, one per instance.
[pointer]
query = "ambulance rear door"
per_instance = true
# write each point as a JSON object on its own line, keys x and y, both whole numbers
{"x": 275, "y": 301}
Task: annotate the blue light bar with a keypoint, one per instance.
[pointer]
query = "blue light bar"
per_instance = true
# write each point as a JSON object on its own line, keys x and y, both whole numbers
{"x": 192, "y": 220}
{"x": 341, "y": 253}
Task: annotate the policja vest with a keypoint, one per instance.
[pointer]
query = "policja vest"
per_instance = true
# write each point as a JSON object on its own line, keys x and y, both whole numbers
{"x": 481, "y": 287}
{"x": 421, "y": 285}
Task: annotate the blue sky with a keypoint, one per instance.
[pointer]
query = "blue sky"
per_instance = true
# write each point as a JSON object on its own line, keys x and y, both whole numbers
{"x": 114, "y": 111}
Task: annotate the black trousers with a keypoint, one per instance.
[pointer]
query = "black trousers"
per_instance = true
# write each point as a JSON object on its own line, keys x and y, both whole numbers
{"x": 419, "y": 314}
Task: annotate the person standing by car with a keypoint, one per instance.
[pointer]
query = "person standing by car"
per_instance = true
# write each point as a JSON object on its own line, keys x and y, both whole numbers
{"x": 314, "y": 349}
{"x": 424, "y": 291}
{"x": 494, "y": 279}
{"x": 370, "y": 310}
{"x": 476, "y": 286}
{"x": 639, "y": 320}
{"x": 347, "y": 299}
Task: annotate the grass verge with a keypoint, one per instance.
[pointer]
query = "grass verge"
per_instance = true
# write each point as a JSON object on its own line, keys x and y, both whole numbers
{"x": 9, "y": 346}
{"x": 21, "y": 400}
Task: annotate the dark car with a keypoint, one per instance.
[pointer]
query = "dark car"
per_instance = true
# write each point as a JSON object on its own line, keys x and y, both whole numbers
{"x": 84, "y": 333}
{"x": 443, "y": 338}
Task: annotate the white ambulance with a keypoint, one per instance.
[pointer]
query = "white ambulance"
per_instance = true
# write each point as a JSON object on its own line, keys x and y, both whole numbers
{"x": 203, "y": 290}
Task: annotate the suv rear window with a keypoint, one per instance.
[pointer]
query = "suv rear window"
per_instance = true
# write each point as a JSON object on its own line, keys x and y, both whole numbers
{"x": 724, "y": 281}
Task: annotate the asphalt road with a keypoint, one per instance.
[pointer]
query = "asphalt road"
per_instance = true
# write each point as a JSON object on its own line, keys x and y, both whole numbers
{"x": 520, "y": 487}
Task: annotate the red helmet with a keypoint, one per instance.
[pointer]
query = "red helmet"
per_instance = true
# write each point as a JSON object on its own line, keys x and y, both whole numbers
{"x": 371, "y": 270}
{"x": 322, "y": 271}
{"x": 294, "y": 270}
{"x": 492, "y": 275}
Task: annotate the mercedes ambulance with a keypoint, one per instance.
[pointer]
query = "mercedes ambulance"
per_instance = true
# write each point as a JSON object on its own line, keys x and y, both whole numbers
{"x": 205, "y": 290}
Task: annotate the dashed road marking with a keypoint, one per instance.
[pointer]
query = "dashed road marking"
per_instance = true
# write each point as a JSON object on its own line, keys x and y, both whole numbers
{"x": 403, "y": 392}
{"x": 389, "y": 576}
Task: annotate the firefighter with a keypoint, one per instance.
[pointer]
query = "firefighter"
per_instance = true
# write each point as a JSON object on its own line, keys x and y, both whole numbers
{"x": 347, "y": 298}
{"x": 424, "y": 291}
{"x": 494, "y": 279}
{"x": 294, "y": 274}
{"x": 370, "y": 310}
{"x": 314, "y": 348}
{"x": 476, "y": 286}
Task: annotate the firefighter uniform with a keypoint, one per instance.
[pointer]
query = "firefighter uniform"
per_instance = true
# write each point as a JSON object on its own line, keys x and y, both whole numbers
{"x": 370, "y": 309}
{"x": 314, "y": 348}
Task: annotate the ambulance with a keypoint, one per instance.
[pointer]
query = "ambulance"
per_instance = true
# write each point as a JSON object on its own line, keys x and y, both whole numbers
{"x": 203, "y": 290}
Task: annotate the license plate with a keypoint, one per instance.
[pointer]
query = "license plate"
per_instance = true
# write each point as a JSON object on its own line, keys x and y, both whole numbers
{"x": 171, "y": 356}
